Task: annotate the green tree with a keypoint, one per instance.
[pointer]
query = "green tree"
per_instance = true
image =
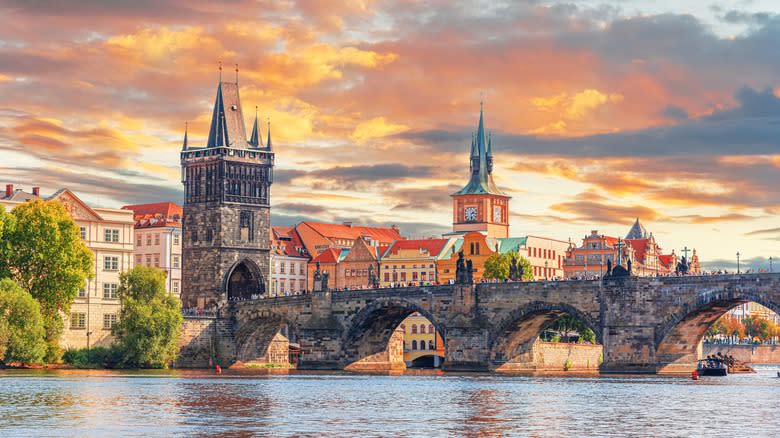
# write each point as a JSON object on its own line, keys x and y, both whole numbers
{"x": 44, "y": 254}
{"x": 21, "y": 325}
{"x": 148, "y": 330}
{"x": 497, "y": 266}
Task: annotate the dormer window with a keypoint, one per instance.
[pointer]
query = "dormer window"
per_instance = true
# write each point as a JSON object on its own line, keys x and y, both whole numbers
{"x": 233, "y": 107}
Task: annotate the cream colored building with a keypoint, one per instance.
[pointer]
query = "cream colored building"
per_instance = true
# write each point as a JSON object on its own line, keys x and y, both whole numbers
{"x": 109, "y": 234}
{"x": 158, "y": 240}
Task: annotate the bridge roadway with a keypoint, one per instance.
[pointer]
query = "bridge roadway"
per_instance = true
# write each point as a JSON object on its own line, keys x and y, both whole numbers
{"x": 645, "y": 324}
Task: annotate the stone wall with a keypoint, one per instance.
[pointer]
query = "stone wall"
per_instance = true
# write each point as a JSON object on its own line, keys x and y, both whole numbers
{"x": 763, "y": 354}
{"x": 553, "y": 357}
{"x": 205, "y": 342}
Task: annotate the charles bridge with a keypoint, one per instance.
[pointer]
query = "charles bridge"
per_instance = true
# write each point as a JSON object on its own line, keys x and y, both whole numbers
{"x": 646, "y": 325}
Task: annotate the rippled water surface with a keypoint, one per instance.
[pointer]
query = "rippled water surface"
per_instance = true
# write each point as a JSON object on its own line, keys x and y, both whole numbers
{"x": 175, "y": 403}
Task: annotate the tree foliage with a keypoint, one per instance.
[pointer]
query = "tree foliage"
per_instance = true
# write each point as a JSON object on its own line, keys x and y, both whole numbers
{"x": 568, "y": 328}
{"x": 497, "y": 266}
{"x": 21, "y": 325}
{"x": 147, "y": 333}
{"x": 43, "y": 252}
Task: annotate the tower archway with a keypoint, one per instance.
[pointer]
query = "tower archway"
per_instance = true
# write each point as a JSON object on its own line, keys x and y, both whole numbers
{"x": 243, "y": 281}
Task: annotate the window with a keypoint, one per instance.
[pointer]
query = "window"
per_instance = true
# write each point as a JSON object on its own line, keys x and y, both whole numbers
{"x": 283, "y": 268}
{"x": 422, "y": 329}
{"x": 430, "y": 328}
{"x": 301, "y": 285}
{"x": 138, "y": 241}
{"x": 302, "y": 270}
{"x": 387, "y": 276}
{"x": 209, "y": 235}
{"x": 194, "y": 235}
{"x": 139, "y": 259}
{"x": 109, "y": 320}
{"x": 414, "y": 329}
{"x": 414, "y": 344}
{"x": 110, "y": 263}
{"x": 111, "y": 235}
{"x": 78, "y": 320}
{"x": 109, "y": 290}
{"x": 176, "y": 262}
{"x": 346, "y": 273}
{"x": 403, "y": 276}
{"x": 83, "y": 233}
{"x": 175, "y": 286}
{"x": 148, "y": 260}
{"x": 422, "y": 345}
{"x": 414, "y": 276}
{"x": 82, "y": 292}
{"x": 157, "y": 260}
{"x": 157, "y": 238}
{"x": 149, "y": 239}
{"x": 175, "y": 239}
{"x": 430, "y": 345}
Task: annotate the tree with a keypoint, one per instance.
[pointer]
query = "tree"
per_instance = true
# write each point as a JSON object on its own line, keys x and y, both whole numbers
{"x": 497, "y": 266}
{"x": 21, "y": 325}
{"x": 42, "y": 252}
{"x": 147, "y": 333}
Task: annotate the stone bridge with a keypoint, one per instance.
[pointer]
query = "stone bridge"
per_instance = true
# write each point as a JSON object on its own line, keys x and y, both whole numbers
{"x": 646, "y": 325}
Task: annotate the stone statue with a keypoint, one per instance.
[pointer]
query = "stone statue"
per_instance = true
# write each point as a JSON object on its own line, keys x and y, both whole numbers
{"x": 609, "y": 267}
{"x": 520, "y": 271}
{"x": 629, "y": 266}
{"x": 469, "y": 272}
{"x": 325, "y": 281}
{"x": 372, "y": 278}
{"x": 460, "y": 269}
{"x": 317, "y": 272}
{"x": 682, "y": 266}
{"x": 513, "y": 269}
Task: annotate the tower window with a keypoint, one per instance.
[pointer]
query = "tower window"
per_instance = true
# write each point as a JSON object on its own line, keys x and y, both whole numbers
{"x": 245, "y": 226}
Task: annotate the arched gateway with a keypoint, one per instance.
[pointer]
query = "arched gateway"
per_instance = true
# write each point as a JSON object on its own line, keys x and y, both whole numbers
{"x": 244, "y": 280}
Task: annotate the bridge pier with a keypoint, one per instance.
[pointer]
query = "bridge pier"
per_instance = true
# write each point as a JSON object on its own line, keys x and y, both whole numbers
{"x": 466, "y": 349}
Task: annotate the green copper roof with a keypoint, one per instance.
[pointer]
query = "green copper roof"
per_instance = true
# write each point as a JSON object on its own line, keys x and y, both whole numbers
{"x": 481, "y": 181}
{"x": 511, "y": 244}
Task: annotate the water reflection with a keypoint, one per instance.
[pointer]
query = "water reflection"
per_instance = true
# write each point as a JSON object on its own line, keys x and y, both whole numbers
{"x": 338, "y": 404}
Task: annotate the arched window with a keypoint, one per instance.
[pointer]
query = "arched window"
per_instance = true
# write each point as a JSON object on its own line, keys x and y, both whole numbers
{"x": 430, "y": 345}
{"x": 430, "y": 328}
{"x": 422, "y": 328}
{"x": 414, "y": 345}
{"x": 414, "y": 329}
{"x": 403, "y": 327}
{"x": 422, "y": 345}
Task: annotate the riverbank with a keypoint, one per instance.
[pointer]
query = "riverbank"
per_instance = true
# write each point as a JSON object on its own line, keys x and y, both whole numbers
{"x": 752, "y": 354}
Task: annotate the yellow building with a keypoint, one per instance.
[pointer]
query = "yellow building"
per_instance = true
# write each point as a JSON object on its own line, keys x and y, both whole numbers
{"x": 109, "y": 234}
{"x": 421, "y": 340}
{"x": 412, "y": 262}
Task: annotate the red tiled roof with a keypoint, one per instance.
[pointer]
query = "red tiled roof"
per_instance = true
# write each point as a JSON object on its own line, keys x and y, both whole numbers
{"x": 157, "y": 214}
{"x": 666, "y": 260}
{"x": 330, "y": 255}
{"x": 281, "y": 231}
{"x": 342, "y": 231}
{"x": 640, "y": 248}
{"x": 433, "y": 246}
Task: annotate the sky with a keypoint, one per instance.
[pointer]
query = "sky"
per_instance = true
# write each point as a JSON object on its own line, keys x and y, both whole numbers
{"x": 601, "y": 112}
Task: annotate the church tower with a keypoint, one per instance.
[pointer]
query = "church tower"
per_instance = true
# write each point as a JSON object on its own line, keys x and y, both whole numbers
{"x": 227, "y": 183}
{"x": 480, "y": 205}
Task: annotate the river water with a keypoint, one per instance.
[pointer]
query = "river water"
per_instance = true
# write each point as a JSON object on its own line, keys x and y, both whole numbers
{"x": 199, "y": 403}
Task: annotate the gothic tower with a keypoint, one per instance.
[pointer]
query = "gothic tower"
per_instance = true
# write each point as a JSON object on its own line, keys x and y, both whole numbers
{"x": 480, "y": 205}
{"x": 227, "y": 183}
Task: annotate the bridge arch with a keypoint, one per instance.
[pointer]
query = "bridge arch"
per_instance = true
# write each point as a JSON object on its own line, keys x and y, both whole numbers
{"x": 677, "y": 338}
{"x": 367, "y": 336}
{"x": 243, "y": 280}
{"x": 510, "y": 342}
{"x": 256, "y": 334}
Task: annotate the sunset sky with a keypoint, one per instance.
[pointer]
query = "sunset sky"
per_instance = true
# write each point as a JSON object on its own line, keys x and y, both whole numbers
{"x": 601, "y": 112}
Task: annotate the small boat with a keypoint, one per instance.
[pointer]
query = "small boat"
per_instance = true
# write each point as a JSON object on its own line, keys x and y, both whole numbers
{"x": 712, "y": 367}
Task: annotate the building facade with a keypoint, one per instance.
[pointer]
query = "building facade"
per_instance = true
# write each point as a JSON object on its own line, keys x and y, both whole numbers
{"x": 480, "y": 205}
{"x": 421, "y": 340}
{"x": 289, "y": 263}
{"x": 412, "y": 262}
{"x": 226, "y": 230}
{"x": 109, "y": 234}
{"x": 158, "y": 240}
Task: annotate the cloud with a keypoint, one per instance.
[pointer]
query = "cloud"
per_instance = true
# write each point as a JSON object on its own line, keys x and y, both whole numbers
{"x": 602, "y": 213}
{"x": 296, "y": 207}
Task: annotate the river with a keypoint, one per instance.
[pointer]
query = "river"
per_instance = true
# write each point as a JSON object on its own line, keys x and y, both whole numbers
{"x": 199, "y": 403}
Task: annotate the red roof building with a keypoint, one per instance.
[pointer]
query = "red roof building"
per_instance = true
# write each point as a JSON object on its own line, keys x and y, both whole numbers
{"x": 289, "y": 261}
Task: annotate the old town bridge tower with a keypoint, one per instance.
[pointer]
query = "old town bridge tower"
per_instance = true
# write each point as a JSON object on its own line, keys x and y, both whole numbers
{"x": 480, "y": 205}
{"x": 227, "y": 185}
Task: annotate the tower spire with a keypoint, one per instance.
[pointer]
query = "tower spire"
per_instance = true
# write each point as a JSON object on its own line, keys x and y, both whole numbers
{"x": 220, "y": 70}
{"x": 490, "y": 153}
{"x": 236, "y": 74}
{"x": 255, "y": 139}
{"x": 481, "y": 178}
{"x": 184, "y": 144}
{"x": 268, "y": 142}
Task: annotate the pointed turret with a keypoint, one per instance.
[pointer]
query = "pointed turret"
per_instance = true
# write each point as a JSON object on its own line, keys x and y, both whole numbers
{"x": 255, "y": 140}
{"x": 481, "y": 181}
{"x": 490, "y": 153}
{"x": 227, "y": 120}
{"x": 637, "y": 231}
{"x": 268, "y": 142}
{"x": 184, "y": 143}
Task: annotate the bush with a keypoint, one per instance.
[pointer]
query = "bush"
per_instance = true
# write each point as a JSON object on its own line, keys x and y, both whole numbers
{"x": 95, "y": 357}
{"x": 21, "y": 325}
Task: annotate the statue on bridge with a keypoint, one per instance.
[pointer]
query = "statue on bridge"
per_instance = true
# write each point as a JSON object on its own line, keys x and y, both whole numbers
{"x": 513, "y": 269}
{"x": 373, "y": 279}
{"x": 682, "y": 266}
{"x": 317, "y": 283}
{"x": 460, "y": 269}
{"x": 469, "y": 272}
{"x": 324, "y": 282}
{"x": 629, "y": 266}
{"x": 609, "y": 267}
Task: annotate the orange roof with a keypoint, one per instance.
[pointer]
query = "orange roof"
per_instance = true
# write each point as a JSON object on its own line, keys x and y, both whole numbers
{"x": 345, "y": 231}
{"x": 330, "y": 255}
{"x": 157, "y": 214}
{"x": 666, "y": 260}
{"x": 433, "y": 246}
{"x": 640, "y": 248}
{"x": 281, "y": 231}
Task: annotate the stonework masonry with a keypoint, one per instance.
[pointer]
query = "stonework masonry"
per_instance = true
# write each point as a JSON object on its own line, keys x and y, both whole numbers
{"x": 645, "y": 325}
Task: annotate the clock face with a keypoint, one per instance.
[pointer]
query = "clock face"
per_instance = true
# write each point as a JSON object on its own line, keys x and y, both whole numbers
{"x": 496, "y": 214}
{"x": 470, "y": 213}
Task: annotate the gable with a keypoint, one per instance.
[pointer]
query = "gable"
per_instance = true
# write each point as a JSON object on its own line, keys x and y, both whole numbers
{"x": 77, "y": 209}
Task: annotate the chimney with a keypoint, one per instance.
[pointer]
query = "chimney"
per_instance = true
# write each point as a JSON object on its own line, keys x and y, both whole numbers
{"x": 37, "y": 192}
{"x": 9, "y": 190}
{"x": 348, "y": 224}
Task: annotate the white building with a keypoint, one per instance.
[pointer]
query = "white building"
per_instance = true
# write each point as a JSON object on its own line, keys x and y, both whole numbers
{"x": 109, "y": 234}
{"x": 158, "y": 240}
{"x": 289, "y": 263}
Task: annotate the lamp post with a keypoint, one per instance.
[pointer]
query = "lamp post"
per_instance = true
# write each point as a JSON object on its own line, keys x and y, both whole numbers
{"x": 545, "y": 270}
{"x": 737, "y": 262}
{"x": 89, "y": 333}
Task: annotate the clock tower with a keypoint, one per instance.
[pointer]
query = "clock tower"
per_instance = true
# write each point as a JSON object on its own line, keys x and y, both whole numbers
{"x": 480, "y": 205}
